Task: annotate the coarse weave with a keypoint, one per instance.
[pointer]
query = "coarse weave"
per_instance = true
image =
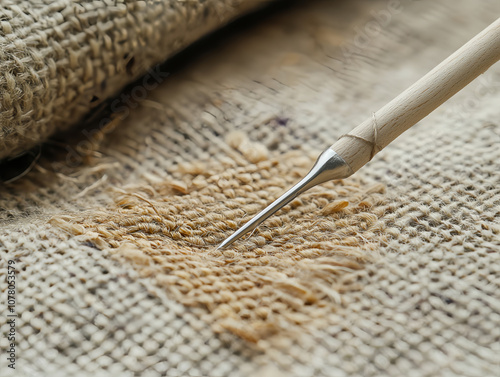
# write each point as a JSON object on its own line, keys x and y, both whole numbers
{"x": 394, "y": 271}
{"x": 58, "y": 59}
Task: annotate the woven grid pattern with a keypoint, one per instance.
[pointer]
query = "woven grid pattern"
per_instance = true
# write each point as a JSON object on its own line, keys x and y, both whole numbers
{"x": 74, "y": 332}
{"x": 429, "y": 305}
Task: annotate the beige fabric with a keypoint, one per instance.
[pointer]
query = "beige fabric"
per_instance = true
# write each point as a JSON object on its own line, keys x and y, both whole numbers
{"x": 422, "y": 298}
{"x": 58, "y": 59}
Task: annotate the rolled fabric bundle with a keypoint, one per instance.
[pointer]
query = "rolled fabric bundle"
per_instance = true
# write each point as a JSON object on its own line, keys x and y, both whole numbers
{"x": 59, "y": 59}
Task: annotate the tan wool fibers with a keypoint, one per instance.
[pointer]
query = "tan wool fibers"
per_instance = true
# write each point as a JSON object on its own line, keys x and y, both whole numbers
{"x": 290, "y": 272}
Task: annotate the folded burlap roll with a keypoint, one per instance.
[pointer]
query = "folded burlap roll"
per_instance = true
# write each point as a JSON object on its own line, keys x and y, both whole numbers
{"x": 59, "y": 59}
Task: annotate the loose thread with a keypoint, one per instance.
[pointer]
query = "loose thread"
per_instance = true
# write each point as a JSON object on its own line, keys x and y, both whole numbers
{"x": 373, "y": 144}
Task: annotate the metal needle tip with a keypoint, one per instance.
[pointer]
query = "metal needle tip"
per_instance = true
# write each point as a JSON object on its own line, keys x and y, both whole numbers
{"x": 328, "y": 166}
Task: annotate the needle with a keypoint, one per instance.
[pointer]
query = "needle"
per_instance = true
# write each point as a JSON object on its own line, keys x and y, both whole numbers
{"x": 354, "y": 150}
{"x": 328, "y": 166}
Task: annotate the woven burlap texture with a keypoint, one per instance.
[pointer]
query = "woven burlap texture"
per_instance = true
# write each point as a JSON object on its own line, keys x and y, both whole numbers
{"x": 113, "y": 252}
{"x": 58, "y": 59}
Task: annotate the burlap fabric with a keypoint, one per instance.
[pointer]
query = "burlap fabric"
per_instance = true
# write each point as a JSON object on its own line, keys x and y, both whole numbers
{"x": 391, "y": 272}
{"x": 58, "y": 59}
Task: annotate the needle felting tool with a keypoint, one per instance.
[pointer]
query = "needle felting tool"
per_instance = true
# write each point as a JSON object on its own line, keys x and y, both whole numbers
{"x": 353, "y": 150}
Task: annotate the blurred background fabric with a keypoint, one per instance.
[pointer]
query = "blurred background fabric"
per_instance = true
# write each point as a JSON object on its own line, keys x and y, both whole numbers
{"x": 395, "y": 271}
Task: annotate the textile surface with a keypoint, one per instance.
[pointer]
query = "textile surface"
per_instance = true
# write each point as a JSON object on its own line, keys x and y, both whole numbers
{"x": 394, "y": 271}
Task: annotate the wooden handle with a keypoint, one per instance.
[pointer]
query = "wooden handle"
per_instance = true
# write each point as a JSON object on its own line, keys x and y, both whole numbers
{"x": 419, "y": 100}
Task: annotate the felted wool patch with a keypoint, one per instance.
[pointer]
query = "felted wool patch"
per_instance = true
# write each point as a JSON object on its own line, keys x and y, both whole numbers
{"x": 290, "y": 272}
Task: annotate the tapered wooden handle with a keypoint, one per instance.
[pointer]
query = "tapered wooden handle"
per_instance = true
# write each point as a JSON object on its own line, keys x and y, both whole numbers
{"x": 419, "y": 100}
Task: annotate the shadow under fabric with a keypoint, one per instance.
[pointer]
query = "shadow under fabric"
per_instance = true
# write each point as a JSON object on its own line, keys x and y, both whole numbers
{"x": 391, "y": 272}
